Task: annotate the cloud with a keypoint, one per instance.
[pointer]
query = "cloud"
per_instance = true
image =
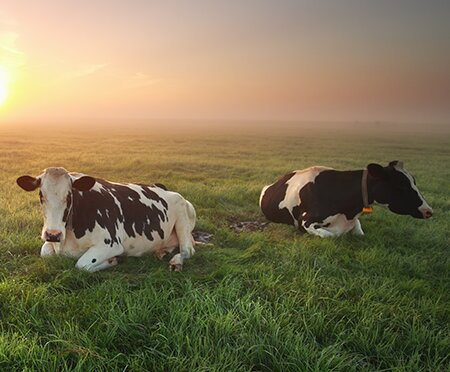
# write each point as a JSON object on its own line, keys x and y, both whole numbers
{"x": 11, "y": 57}
{"x": 139, "y": 80}
{"x": 8, "y": 46}
{"x": 85, "y": 70}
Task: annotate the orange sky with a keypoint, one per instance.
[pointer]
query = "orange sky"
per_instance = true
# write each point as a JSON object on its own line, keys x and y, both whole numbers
{"x": 254, "y": 59}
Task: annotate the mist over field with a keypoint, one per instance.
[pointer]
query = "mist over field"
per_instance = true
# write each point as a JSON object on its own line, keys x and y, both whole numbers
{"x": 211, "y": 126}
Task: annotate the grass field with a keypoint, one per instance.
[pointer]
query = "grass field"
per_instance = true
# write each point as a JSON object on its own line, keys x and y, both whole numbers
{"x": 271, "y": 301}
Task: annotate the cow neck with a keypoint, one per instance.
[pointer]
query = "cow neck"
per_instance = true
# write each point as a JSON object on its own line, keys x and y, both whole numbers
{"x": 69, "y": 223}
{"x": 369, "y": 191}
{"x": 365, "y": 192}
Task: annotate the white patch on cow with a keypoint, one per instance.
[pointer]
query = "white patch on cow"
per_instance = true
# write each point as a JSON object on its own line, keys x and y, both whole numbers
{"x": 424, "y": 205}
{"x": 55, "y": 186}
{"x": 262, "y": 193}
{"x": 144, "y": 200}
{"x": 295, "y": 184}
{"x": 357, "y": 229}
{"x": 98, "y": 187}
{"x": 333, "y": 226}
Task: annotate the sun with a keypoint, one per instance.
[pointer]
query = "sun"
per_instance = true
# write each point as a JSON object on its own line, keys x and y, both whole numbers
{"x": 4, "y": 82}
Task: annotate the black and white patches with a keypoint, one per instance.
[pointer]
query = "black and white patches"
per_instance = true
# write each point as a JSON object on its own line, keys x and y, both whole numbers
{"x": 111, "y": 205}
{"x": 321, "y": 200}
{"x": 327, "y": 202}
{"x": 281, "y": 201}
{"x": 68, "y": 208}
{"x": 95, "y": 221}
{"x": 161, "y": 186}
{"x": 272, "y": 196}
{"x": 422, "y": 205}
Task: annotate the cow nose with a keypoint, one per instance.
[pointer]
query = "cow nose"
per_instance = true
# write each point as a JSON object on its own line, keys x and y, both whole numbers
{"x": 427, "y": 213}
{"x": 53, "y": 236}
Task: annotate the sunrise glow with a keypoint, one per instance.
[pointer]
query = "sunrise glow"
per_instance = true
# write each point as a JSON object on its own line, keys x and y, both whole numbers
{"x": 252, "y": 60}
{"x": 4, "y": 81}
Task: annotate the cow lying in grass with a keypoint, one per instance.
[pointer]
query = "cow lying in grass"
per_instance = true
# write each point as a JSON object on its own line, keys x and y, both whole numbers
{"x": 95, "y": 220}
{"x": 326, "y": 202}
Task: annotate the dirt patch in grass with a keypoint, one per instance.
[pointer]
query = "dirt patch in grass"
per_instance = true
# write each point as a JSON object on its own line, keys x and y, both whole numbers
{"x": 247, "y": 226}
{"x": 202, "y": 236}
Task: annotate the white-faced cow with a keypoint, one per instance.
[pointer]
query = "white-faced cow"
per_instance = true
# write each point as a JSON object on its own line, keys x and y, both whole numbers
{"x": 326, "y": 202}
{"x": 95, "y": 220}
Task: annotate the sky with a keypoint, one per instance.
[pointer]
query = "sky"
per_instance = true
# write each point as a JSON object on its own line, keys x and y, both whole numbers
{"x": 321, "y": 60}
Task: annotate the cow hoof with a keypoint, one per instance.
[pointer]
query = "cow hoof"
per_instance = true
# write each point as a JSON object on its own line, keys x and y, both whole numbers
{"x": 160, "y": 254}
{"x": 113, "y": 261}
{"x": 175, "y": 267}
{"x": 176, "y": 263}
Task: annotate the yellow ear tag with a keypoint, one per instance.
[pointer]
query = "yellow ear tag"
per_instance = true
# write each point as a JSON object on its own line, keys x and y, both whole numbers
{"x": 367, "y": 210}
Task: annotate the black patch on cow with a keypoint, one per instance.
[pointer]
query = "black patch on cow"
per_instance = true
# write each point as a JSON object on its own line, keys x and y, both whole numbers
{"x": 68, "y": 207}
{"x": 332, "y": 192}
{"x": 94, "y": 260}
{"x": 319, "y": 199}
{"x": 273, "y": 196}
{"x": 91, "y": 207}
{"x": 398, "y": 193}
{"x": 146, "y": 190}
{"x": 340, "y": 192}
{"x": 161, "y": 186}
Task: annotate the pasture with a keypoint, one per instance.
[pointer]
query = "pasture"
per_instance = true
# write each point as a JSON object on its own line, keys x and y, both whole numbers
{"x": 271, "y": 300}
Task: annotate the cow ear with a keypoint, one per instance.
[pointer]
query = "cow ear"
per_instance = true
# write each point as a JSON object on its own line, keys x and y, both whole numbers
{"x": 396, "y": 163}
{"x": 376, "y": 170}
{"x": 84, "y": 183}
{"x": 28, "y": 183}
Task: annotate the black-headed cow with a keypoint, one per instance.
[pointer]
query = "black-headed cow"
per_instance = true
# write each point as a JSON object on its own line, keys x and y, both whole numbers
{"x": 95, "y": 220}
{"x": 326, "y": 202}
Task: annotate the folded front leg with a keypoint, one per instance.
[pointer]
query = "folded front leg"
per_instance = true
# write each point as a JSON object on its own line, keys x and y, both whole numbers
{"x": 99, "y": 257}
{"x": 48, "y": 249}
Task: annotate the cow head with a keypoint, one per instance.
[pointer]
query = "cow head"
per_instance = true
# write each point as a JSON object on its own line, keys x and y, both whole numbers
{"x": 397, "y": 189}
{"x": 56, "y": 196}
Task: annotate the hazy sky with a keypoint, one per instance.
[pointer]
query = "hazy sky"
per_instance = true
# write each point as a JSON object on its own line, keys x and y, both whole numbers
{"x": 248, "y": 59}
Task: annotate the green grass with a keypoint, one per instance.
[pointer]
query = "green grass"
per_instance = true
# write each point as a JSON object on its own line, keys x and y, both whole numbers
{"x": 271, "y": 301}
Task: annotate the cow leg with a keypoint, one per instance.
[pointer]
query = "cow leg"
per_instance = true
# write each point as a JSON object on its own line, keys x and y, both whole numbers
{"x": 47, "y": 249}
{"x": 316, "y": 228}
{"x": 357, "y": 229}
{"x": 319, "y": 231}
{"x": 183, "y": 228}
{"x": 99, "y": 257}
{"x": 107, "y": 264}
{"x": 171, "y": 244}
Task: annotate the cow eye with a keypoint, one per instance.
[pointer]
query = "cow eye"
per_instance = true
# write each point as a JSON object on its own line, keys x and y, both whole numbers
{"x": 69, "y": 199}
{"x": 41, "y": 197}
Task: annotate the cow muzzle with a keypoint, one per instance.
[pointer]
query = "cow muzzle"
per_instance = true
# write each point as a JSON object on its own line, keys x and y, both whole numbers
{"x": 426, "y": 212}
{"x": 53, "y": 236}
